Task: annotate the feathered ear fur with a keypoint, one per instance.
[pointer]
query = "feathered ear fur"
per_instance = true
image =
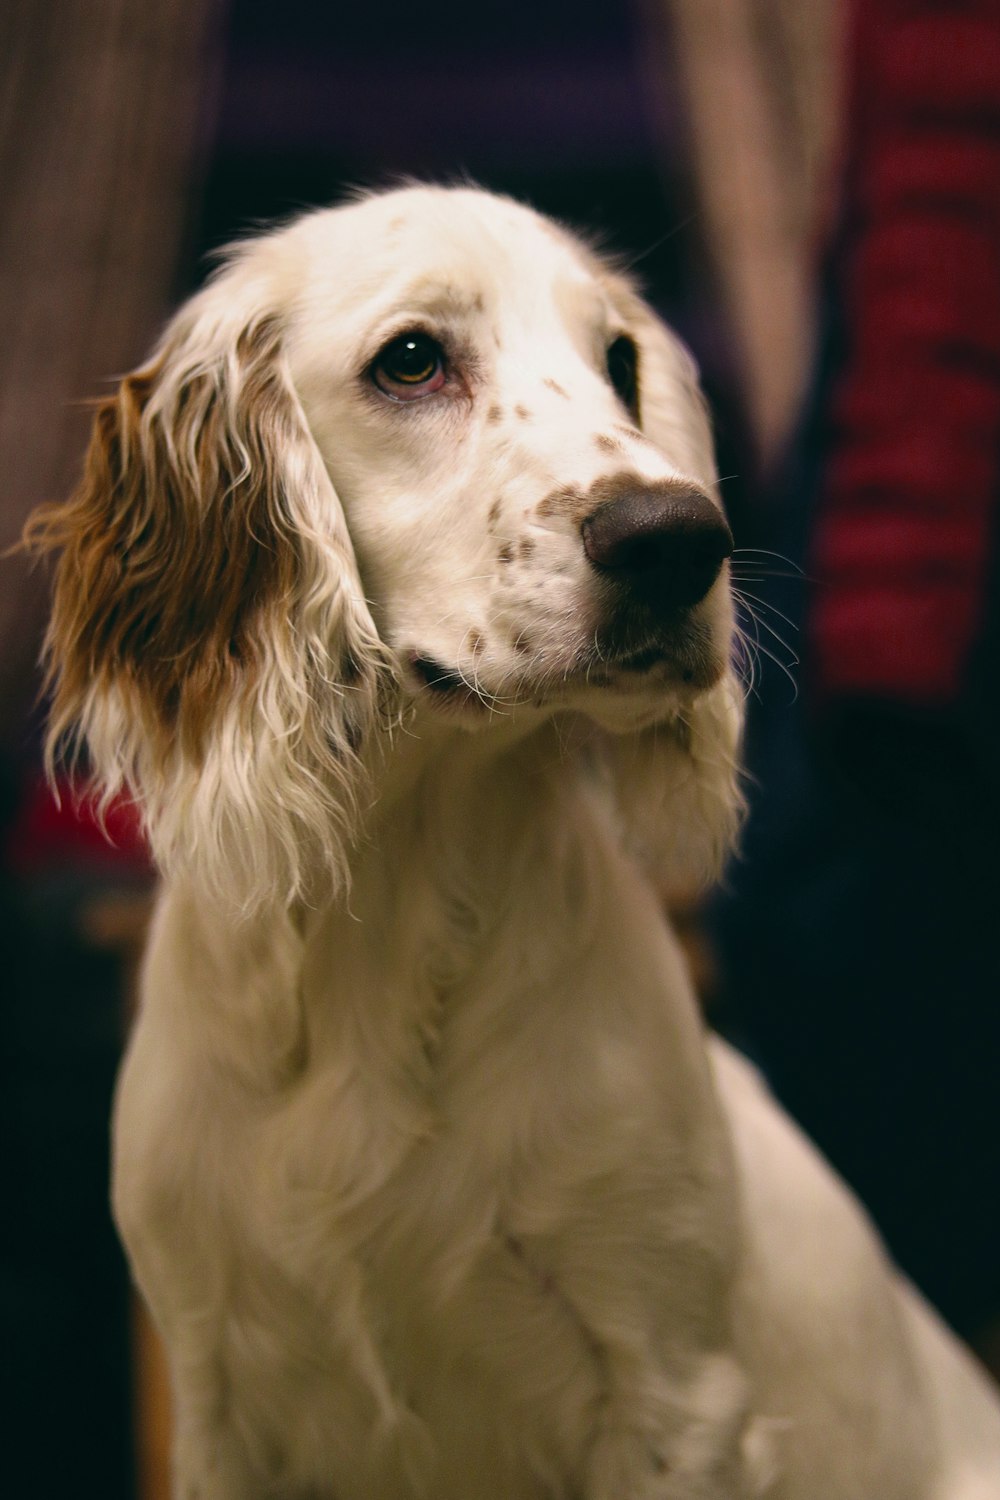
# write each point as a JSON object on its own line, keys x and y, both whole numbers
{"x": 678, "y": 782}
{"x": 210, "y": 642}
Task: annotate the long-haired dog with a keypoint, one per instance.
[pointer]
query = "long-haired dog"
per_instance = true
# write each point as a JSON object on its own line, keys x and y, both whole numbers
{"x": 396, "y": 590}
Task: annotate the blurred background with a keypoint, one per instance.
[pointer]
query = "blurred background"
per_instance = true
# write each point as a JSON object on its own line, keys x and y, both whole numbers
{"x": 809, "y": 190}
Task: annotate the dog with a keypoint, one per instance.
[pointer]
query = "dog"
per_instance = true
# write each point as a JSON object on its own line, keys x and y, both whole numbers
{"x": 397, "y": 592}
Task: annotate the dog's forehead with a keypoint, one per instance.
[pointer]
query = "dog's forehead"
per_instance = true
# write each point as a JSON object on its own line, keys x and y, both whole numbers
{"x": 463, "y": 223}
{"x": 461, "y": 246}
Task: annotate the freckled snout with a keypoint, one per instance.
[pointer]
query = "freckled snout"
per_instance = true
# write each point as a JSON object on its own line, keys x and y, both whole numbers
{"x": 664, "y": 544}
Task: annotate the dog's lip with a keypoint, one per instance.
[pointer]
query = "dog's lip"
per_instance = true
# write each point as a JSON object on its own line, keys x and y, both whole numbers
{"x": 444, "y": 682}
{"x": 617, "y": 672}
{"x": 604, "y": 665}
{"x": 681, "y": 653}
{"x": 642, "y": 660}
{"x": 433, "y": 674}
{"x": 654, "y": 666}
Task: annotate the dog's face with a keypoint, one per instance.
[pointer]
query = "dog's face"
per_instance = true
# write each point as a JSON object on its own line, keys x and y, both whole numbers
{"x": 423, "y": 456}
{"x": 522, "y": 455}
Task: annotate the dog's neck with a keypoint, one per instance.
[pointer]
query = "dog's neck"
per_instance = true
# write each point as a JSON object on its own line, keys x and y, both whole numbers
{"x": 485, "y": 868}
{"x": 494, "y": 840}
{"x": 469, "y": 817}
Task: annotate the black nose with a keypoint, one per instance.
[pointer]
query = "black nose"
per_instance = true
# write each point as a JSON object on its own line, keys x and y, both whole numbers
{"x": 666, "y": 545}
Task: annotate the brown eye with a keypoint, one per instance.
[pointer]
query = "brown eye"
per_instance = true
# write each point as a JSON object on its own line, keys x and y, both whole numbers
{"x": 623, "y": 372}
{"x": 409, "y": 367}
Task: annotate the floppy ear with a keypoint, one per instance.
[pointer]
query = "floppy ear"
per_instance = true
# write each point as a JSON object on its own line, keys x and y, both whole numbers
{"x": 678, "y": 782}
{"x": 210, "y": 643}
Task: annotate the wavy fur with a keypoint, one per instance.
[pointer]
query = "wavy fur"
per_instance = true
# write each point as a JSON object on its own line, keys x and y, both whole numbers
{"x": 427, "y": 1173}
{"x": 210, "y": 642}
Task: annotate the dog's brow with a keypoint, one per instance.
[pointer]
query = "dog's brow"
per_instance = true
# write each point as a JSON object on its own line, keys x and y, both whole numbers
{"x": 437, "y": 298}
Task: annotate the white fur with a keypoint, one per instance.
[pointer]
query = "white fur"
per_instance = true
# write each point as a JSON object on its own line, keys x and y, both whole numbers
{"x": 420, "y": 1157}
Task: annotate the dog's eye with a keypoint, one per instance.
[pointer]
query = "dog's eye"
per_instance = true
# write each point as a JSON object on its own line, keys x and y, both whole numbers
{"x": 410, "y": 367}
{"x": 623, "y": 372}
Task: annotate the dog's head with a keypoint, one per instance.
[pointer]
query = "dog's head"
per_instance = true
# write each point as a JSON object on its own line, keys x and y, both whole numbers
{"x": 424, "y": 453}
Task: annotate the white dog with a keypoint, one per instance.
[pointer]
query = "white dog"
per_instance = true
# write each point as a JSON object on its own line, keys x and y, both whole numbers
{"x": 397, "y": 589}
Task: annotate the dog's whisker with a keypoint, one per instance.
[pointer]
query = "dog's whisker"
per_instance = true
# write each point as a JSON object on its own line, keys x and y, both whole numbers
{"x": 783, "y": 667}
{"x": 753, "y": 554}
{"x": 759, "y": 648}
{"x": 747, "y": 573}
{"x": 761, "y": 604}
{"x": 746, "y": 658}
{"x": 776, "y": 635}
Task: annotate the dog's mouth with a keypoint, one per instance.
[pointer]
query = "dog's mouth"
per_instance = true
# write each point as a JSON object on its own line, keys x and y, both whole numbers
{"x": 640, "y": 661}
{"x": 448, "y": 683}
{"x": 679, "y": 654}
{"x": 685, "y": 663}
{"x": 445, "y": 683}
{"x": 436, "y": 676}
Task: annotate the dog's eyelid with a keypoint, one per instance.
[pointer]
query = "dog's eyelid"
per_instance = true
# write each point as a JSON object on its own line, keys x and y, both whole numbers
{"x": 400, "y": 328}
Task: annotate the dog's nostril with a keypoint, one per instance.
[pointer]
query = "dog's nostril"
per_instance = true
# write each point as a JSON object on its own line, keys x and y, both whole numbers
{"x": 666, "y": 545}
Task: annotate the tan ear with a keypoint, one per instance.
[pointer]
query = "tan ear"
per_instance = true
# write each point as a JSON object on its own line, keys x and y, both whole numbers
{"x": 209, "y": 640}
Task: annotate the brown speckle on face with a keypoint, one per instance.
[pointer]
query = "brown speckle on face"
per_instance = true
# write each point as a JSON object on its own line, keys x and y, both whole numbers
{"x": 506, "y": 553}
{"x": 495, "y": 414}
{"x": 523, "y": 645}
{"x": 522, "y": 413}
{"x": 553, "y": 385}
{"x": 561, "y": 502}
{"x": 608, "y": 444}
{"x": 494, "y": 514}
{"x": 630, "y": 432}
{"x": 476, "y": 642}
{"x": 527, "y": 547}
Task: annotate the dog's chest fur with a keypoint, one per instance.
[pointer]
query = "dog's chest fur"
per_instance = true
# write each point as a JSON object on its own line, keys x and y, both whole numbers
{"x": 396, "y": 1207}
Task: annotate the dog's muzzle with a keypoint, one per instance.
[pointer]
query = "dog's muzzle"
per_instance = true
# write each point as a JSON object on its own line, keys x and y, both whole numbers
{"x": 664, "y": 546}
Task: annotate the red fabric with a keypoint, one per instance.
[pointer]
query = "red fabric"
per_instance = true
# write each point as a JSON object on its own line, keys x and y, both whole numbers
{"x": 903, "y": 537}
{"x": 48, "y": 834}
